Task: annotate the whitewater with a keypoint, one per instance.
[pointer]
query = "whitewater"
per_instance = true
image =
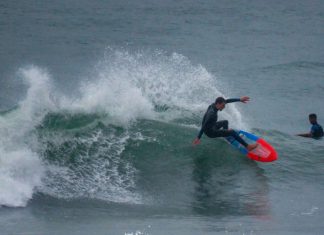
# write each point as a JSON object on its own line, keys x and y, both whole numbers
{"x": 124, "y": 90}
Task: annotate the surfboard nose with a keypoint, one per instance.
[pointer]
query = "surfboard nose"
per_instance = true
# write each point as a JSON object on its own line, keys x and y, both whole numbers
{"x": 264, "y": 152}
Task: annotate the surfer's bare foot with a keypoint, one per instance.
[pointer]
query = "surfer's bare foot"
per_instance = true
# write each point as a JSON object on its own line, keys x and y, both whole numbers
{"x": 250, "y": 147}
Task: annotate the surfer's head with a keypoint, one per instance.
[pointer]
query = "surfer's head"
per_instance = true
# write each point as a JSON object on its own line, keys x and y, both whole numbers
{"x": 220, "y": 103}
{"x": 312, "y": 118}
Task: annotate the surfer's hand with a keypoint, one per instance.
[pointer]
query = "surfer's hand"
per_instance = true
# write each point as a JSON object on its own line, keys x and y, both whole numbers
{"x": 196, "y": 141}
{"x": 244, "y": 99}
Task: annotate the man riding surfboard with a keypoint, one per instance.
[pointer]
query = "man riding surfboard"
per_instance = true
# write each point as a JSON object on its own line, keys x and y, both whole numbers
{"x": 213, "y": 128}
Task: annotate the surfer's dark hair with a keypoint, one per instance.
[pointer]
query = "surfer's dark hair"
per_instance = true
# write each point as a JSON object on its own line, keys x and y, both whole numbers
{"x": 220, "y": 100}
{"x": 313, "y": 116}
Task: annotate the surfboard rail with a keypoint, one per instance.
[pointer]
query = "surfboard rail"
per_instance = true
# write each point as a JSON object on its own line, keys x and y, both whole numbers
{"x": 263, "y": 153}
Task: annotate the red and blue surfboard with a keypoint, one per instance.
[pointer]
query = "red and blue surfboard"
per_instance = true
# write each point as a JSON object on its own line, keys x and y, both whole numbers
{"x": 263, "y": 153}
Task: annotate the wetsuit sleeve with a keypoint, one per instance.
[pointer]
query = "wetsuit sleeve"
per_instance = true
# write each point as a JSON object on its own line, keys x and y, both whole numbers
{"x": 206, "y": 120}
{"x": 232, "y": 100}
{"x": 200, "y": 133}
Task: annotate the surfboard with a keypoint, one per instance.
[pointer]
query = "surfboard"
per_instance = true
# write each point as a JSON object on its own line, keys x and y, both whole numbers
{"x": 263, "y": 153}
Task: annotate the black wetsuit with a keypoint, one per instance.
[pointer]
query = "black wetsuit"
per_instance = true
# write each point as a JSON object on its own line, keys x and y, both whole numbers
{"x": 213, "y": 128}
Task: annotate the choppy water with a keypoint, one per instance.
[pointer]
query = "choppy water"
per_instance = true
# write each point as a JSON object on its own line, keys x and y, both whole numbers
{"x": 101, "y": 100}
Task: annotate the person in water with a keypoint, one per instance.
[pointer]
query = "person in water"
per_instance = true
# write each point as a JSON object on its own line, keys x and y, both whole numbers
{"x": 213, "y": 128}
{"x": 316, "y": 131}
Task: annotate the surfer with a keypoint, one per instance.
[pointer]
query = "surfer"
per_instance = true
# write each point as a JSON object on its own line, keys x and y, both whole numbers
{"x": 316, "y": 131}
{"x": 213, "y": 128}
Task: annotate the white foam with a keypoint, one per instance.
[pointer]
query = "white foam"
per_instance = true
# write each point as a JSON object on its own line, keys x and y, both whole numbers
{"x": 125, "y": 87}
{"x": 129, "y": 86}
{"x": 94, "y": 176}
{"x": 20, "y": 167}
{"x": 113, "y": 95}
{"x": 20, "y": 173}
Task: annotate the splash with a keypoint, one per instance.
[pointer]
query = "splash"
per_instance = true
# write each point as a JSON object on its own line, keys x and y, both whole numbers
{"x": 20, "y": 167}
{"x": 149, "y": 85}
{"x": 20, "y": 173}
{"x": 122, "y": 89}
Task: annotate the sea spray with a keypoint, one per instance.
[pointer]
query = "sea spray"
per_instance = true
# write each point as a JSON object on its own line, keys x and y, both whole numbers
{"x": 20, "y": 173}
{"x": 21, "y": 169}
{"x": 70, "y": 146}
{"x": 150, "y": 85}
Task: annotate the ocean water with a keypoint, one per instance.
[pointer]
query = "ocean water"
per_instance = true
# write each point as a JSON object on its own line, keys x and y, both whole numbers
{"x": 101, "y": 100}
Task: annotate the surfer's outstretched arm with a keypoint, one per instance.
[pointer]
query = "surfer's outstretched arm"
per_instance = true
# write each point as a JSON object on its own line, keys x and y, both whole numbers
{"x": 197, "y": 140}
{"x": 208, "y": 118}
{"x": 307, "y": 135}
{"x": 243, "y": 99}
